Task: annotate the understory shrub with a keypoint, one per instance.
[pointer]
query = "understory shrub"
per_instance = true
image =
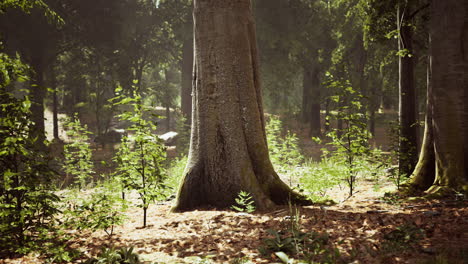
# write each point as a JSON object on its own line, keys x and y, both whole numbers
{"x": 284, "y": 150}
{"x": 98, "y": 209}
{"x": 318, "y": 178}
{"x": 77, "y": 162}
{"x": 27, "y": 202}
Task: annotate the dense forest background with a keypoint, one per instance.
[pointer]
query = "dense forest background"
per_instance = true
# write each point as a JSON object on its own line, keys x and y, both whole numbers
{"x": 362, "y": 108}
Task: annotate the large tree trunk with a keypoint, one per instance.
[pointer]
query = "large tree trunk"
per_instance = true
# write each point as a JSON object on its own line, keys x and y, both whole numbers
{"x": 449, "y": 84}
{"x": 407, "y": 98}
{"x": 228, "y": 148}
{"x": 187, "y": 69}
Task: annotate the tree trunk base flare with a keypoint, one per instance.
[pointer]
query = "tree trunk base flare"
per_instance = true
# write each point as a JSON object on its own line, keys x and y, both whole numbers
{"x": 228, "y": 148}
{"x": 436, "y": 192}
{"x": 198, "y": 191}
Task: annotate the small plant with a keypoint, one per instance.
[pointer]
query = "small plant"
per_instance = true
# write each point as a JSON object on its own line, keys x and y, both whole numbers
{"x": 140, "y": 164}
{"x": 101, "y": 210}
{"x": 244, "y": 203}
{"x": 77, "y": 162}
{"x": 308, "y": 247}
{"x": 319, "y": 177}
{"x": 116, "y": 256}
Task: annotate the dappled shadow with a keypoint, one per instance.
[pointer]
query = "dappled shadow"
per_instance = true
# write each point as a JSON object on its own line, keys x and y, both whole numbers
{"x": 359, "y": 235}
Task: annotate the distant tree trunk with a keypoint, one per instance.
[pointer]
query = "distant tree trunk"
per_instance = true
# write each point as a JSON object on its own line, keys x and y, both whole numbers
{"x": 306, "y": 94}
{"x": 38, "y": 93}
{"x": 449, "y": 65}
{"x": 407, "y": 97}
{"x": 187, "y": 69}
{"x": 167, "y": 99}
{"x": 228, "y": 148}
{"x": 314, "y": 118}
{"x": 53, "y": 84}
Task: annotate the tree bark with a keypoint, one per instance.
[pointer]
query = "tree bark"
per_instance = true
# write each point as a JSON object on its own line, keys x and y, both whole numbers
{"x": 449, "y": 84}
{"x": 450, "y": 90}
{"x": 407, "y": 97}
{"x": 187, "y": 70}
{"x": 228, "y": 148}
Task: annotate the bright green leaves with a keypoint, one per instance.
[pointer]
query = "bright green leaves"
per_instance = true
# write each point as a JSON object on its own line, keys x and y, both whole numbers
{"x": 244, "y": 203}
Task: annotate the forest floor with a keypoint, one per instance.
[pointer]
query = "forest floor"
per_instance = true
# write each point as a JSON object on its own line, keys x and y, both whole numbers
{"x": 366, "y": 228}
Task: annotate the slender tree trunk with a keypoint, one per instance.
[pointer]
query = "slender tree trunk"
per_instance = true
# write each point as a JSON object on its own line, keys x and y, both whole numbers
{"x": 187, "y": 69}
{"x": 167, "y": 100}
{"x": 228, "y": 148}
{"x": 407, "y": 98}
{"x": 38, "y": 93}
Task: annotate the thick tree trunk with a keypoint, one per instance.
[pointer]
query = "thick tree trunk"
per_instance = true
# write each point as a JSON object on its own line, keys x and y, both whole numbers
{"x": 187, "y": 69}
{"x": 449, "y": 84}
{"x": 407, "y": 99}
{"x": 450, "y": 90}
{"x": 228, "y": 149}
